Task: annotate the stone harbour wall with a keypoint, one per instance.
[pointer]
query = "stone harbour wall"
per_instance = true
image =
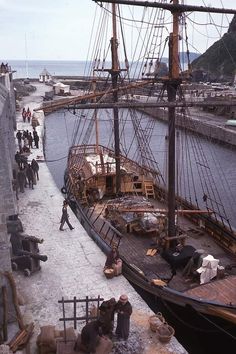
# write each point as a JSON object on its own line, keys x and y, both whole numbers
{"x": 7, "y": 153}
{"x": 210, "y": 129}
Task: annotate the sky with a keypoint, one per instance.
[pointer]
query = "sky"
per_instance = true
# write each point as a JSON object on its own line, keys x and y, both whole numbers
{"x": 61, "y": 29}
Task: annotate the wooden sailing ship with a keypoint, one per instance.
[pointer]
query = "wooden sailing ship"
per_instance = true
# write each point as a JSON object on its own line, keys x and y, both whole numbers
{"x": 162, "y": 237}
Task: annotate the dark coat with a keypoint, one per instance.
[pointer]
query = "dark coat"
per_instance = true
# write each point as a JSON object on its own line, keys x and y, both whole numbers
{"x": 30, "y": 139}
{"x": 29, "y": 173}
{"x": 65, "y": 216}
{"x": 90, "y": 335}
{"x": 17, "y": 158}
{"x": 106, "y": 315}
{"x": 19, "y": 135}
{"x": 35, "y": 165}
{"x": 21, "y": 177}
{"x": 112, "y": 257}
{"x": 124, "y": 312}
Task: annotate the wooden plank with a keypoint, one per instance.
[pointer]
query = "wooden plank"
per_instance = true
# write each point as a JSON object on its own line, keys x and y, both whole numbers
{"x": 12, "y": 283}
{"x": 179, "y": 237}
{"x": 162, "y": 211}
{"x": 210, "y": 291}
{"x": 5, "y": 313}
{"x": 226, "y": 314}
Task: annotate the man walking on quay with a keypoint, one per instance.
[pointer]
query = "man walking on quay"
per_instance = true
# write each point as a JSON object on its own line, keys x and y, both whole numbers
{"x": 35, "y": 167}
{"x": 65, "y": 217}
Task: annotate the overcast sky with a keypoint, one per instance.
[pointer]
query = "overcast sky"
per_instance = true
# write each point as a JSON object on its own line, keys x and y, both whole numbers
{"x": 60, "y": 29}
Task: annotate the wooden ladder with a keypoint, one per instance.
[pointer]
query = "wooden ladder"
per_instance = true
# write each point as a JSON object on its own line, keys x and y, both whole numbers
{"x": 149, "y": 190}
{"x": 84, "y": 199}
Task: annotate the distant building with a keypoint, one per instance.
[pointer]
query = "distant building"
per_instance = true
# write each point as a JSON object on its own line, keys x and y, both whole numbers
{"x": 45, "y": 76}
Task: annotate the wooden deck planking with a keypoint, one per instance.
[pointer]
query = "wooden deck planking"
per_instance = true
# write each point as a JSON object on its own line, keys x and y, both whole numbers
{"x": 134, "y": 247}
{"x": 222, "y": 291}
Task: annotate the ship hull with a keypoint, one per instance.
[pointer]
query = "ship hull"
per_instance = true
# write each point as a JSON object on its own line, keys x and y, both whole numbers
{"x": 220, "y": 315}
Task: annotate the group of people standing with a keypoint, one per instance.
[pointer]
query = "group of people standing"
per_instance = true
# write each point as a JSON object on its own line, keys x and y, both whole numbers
{"x": 25, "y": 140}
{"x": 25, "y": 174}
{"x": 94, "y": 332}
{"x": 26, "y": 115}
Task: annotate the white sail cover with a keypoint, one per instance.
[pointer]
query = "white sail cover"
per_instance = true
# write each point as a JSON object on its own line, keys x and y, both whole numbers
{"x": 208, "y": 270}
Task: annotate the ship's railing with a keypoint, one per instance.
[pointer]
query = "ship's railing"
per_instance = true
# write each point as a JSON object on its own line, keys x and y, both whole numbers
{"x": 107, "y": 232}
{"x": 221, "y": 232}
{"x": 77, "y": 153}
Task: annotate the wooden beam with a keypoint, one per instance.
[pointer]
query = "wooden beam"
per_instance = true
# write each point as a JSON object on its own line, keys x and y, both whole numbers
{"x": 223, "y": 313}
{"x": 162, "y": 211}
{"x": 179, "y": 237}
{"x": 49, "y": 107}
{"x": 134, "y": 104}
{"x": 5, "y": 313}
{"x": 172, "y": 7}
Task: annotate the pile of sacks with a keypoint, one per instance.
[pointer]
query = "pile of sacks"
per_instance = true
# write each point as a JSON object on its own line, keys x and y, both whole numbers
{"x": 49, "y": 336}
{"x": 53, "y": 341}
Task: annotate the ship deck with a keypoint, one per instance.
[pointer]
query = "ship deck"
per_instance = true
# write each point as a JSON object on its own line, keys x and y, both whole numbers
{"x": 133, "y": 247}
{"x": 210, "y": 291}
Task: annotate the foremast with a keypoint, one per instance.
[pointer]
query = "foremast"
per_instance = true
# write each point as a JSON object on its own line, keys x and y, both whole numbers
{"x": 115, "y": 72}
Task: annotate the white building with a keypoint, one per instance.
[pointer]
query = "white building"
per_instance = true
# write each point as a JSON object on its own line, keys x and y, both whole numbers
{"x": 61, "y": 89}
{"x": 45, "y": 76}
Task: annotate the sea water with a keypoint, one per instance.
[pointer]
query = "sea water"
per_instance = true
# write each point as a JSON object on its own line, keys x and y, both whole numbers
{"x": 33, "y": 68}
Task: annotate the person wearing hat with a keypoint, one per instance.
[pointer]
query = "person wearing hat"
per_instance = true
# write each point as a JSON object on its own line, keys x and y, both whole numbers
{"x": 65, "y": 217}
{"x": 124, "y": 311}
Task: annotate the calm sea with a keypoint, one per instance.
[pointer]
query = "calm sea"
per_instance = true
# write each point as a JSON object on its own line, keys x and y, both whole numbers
{"x": 33, "y": 68}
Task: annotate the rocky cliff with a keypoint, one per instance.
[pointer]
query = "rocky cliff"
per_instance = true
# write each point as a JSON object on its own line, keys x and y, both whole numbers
{"x": 219, "y": 61}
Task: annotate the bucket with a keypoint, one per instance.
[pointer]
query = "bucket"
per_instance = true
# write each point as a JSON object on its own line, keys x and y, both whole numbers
{"x": 165, "y": 333}
{"x": 155, "y": 321}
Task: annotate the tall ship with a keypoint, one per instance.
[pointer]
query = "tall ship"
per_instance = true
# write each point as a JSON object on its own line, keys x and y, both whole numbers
{"x": 163, "y": 211}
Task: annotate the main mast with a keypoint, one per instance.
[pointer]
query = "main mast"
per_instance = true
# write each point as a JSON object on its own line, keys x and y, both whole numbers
{"x": 115, "y": 71}
{"x": 172, "y": 86}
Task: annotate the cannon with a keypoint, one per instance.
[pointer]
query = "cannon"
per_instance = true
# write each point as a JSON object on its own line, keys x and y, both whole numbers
{"x": 25, "y": 253}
